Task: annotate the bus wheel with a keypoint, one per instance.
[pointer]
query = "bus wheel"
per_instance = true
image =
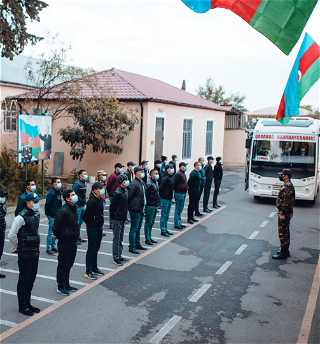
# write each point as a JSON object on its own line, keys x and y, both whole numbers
{"x": 257, "y": 198}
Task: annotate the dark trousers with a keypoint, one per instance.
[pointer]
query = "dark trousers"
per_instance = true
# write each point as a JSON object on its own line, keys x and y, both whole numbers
{"x": 66, "y": 258}
{"x": 193, "y": 203}
{"x": 284, "y": 231}
{"x": 201, "y": 190}
{"x": 28, "y": 267}
{"x": 118, "y": 231}
{"x": 206, "y": 194}
{"x": 94, "y": 242}
{"x": 1, "y": 243}
{"x": 217, "y": 183}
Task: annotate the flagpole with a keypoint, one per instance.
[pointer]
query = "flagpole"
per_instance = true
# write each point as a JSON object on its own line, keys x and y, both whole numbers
{"x": 26, "y": 170}
{"x": 42, "y": 170}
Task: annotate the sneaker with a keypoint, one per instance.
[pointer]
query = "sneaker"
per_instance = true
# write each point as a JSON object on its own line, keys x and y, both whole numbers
{"x": 82, "y": 240}
{"x": 90, "y": 275}
{"x": 124, "y": 259}
{"x": 97, "y": 272}
{"x": 117, "y": 262}
{"x": 50, "y": 253}
{"x": 79, "y": 242}
{"x": 63, "y": 292}
{"x": 72, "y": 289}
{"x": 2, "y": 276}
{"x": 55, "y": 250}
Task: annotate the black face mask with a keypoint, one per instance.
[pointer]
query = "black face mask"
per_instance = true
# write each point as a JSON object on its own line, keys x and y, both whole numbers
{"x": 281, "y": 178}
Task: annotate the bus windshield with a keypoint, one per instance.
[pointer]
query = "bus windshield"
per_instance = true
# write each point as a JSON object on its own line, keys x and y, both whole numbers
{"x": 270, "y": 156}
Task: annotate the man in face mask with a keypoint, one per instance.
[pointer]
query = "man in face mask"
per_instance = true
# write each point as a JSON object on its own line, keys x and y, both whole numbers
{"x": 152, "y": 196}
{"x": 202, "y": 181}
{"x": 285, "y": 203}
{"x": 129, "y": 172}
{"x": 164, "y": 161}
{"x": 66, "y": 229}
{"x": 136, "y": 205}
{"x": 118, "y": 213}
{"x": 53, "y": 204}
{"x": 30, "y": 187}
{"x": 144, "y": 164}
{"x": 94, "y": 219}
{"x": 3, "y": 212}
{"x": 207, "y": 188}
{"x": 180, "y": 186}
{"x": 194, "y": 192}
{"x": 113, "y": 185}
{"x": 80, "y": 188}
{"x": 157, "y": 166}
{"x": 102, "y": 178}
{"x": 217, "y": 174}
{"x": 173, "y": 162}
{"x": 166, "y": 194}
{"x": 25, "y": 239}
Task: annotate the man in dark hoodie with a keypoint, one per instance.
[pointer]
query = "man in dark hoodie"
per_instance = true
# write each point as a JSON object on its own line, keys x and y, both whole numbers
{"x": 93, "y": 218}
{"x": 66, "y": 230}
{"x": 118, "y": 214}
{"x": 166, "y": 194}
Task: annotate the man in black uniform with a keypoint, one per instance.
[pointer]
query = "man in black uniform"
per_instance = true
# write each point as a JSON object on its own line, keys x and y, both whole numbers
{"x": 217, "y": 174}
{"x": 66, "y": 230}
{"x": 25, "y": 239}
{"x": 285, "y": 202}
{"x": 3, "y": 212}
{"x": 207, "y": 188}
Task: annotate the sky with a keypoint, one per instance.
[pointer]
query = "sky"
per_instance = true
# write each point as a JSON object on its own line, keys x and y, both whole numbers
{"x": 166, "y": 40}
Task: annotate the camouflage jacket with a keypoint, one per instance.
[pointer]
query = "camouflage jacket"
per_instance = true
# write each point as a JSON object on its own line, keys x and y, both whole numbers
{"x": 286, "y": 198}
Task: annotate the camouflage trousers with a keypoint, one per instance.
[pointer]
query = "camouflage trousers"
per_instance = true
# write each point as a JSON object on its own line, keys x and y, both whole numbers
{"x": 284, "y": 231}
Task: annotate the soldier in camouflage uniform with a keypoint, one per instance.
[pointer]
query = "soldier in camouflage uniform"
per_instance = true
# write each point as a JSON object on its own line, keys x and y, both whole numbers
{"x": 285, "y": 202}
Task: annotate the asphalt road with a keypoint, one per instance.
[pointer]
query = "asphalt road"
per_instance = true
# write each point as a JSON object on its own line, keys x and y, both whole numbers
{"x": 214, "y": 282}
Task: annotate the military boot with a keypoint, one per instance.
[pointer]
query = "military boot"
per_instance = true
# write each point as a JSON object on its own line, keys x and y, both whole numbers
{"x": 287, "y": 254}
{"x": 283, "y": 254}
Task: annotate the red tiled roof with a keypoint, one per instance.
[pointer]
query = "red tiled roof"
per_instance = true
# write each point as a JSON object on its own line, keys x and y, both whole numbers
{"x": 130, "y": 86}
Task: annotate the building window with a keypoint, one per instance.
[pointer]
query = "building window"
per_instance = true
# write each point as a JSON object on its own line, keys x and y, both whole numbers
{"x": 209, "y": 138}
{"x": 187, "y": 139}
{"x": 9, "y": 114}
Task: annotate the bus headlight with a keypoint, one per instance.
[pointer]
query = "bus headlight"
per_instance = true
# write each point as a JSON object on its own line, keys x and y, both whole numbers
{"x": 307, "y": 190}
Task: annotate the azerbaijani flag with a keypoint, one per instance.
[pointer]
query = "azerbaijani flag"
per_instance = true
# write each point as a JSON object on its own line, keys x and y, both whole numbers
{"x": 304, "y": 74}
{"x": 281, "y": 21}
{"x": 29, "y": 135}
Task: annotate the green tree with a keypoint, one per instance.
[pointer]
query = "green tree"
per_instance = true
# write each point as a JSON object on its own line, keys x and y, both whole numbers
{"x": 101, "y": 122}
{"x": 14, "y": 35}
{"x": 217, "y": 95}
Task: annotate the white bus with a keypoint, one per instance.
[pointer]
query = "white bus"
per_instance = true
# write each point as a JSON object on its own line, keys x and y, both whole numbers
{"x": 272, "y": 147}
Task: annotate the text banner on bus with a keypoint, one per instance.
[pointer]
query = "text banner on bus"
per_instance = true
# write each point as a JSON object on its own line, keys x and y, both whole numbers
{"x": 285, "y": 137}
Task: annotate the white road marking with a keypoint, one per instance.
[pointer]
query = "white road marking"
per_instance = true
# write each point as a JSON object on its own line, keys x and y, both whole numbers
{"x": 45, "y": 277}
{"x": 200, "y": 292}
{"x": 7, "y": 323}
{"x": 272, "y": 214}
{"x": 254, "y": 234}
{"x": 165, "y": 329}
{"x": 263, "y": 223}
{"x": 241, "y": 249}
{"x": 9, "y": 292}
{"x": 43, "y": 224}
{"x": 223, "y": 268}
{"x": 55, "y": 261}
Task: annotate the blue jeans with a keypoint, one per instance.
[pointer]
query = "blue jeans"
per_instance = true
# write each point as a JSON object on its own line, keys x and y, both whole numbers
{"x": 94, "y": 242}
{"x": 51, "y": 243}
{"x": 104, "y": 206}
{"x": 134, "y": 234}
{"x": 110, "y": 221}
{"x": 165, "y": 212}
{"x": 80, "y": 212}
{"x": 151, "y": 213}
{"x": 180, "y": 199}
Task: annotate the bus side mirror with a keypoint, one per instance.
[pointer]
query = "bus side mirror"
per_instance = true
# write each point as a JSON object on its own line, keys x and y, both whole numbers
{"x": 248, "y": 143}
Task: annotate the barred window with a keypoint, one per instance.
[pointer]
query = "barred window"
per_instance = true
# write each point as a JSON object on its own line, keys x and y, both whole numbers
{"x": 9, "y": 109}
{"x": 209, "y": 138}
{"x": 187, "y": 139}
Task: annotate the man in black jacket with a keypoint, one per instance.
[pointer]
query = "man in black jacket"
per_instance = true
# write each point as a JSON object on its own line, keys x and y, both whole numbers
{"x": 53, "y": 204}
{"x": 152, "y": 196}
{"x": 166, "y": 194}
{"x": 94, "y": 219}
{"x": 173, "y": 162}
{"x": 180, "y": 186}
{"x": 218, "y": 174}
{"x": 157, "y": 166}
{"x": 207, "y": 188}
{"x": 194, "y": 192}
{"x": 129, "y": 172}
{"x": 136, "y": 205}
{"x": 66, "y": 230}
{"x": 30, "y": 187}
{"x": 118, "y": 213}
{"x": 25, "y": 239}
{"x": 3, "y": 212}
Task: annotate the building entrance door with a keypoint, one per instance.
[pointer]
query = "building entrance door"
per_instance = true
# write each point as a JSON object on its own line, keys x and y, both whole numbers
{"x": 159, "y": 137}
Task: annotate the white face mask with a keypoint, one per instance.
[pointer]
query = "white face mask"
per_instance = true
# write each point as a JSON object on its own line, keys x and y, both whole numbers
{"x": 104, "y": 178}
{"x": 172, "y": 171}
{"x": 35, "y": 206}
{"x": 126, "y": 183}
{"x": 85, "y": 177}
{"x": 156, "y": 177}
{"x": 2, "y": 200}
{"x": 59, "y": 186}
{"x": 200, "y": 167}
{"x": 33, "y": 188}
{"x": 142, "y": 175}
{"x": 101, "y": 192}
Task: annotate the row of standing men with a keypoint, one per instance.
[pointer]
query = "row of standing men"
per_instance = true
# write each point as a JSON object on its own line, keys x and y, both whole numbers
{"x": 136, "y": 191}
